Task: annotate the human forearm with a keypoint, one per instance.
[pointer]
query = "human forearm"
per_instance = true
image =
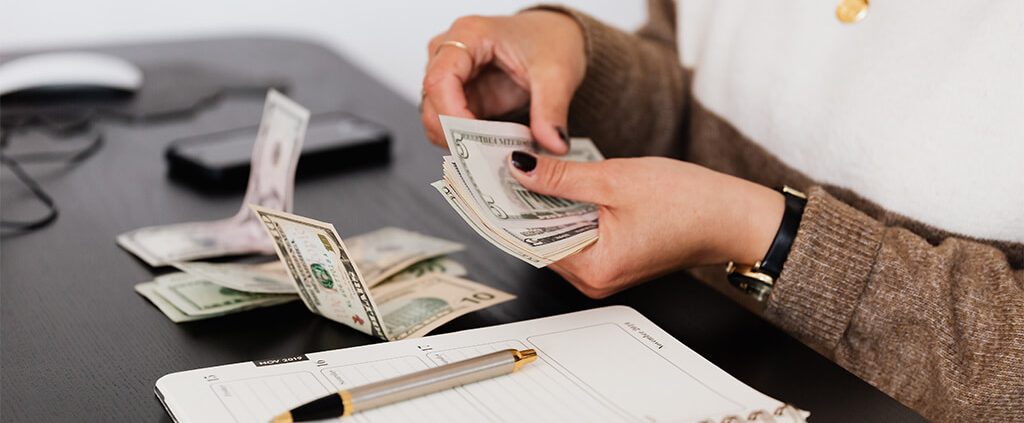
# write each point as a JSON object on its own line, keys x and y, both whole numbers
{"x": 939, "y": 327}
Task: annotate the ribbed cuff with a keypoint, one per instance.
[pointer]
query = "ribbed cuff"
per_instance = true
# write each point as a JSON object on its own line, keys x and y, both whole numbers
{"x": 608, "y": 55}
{"x": 827, "y": 270}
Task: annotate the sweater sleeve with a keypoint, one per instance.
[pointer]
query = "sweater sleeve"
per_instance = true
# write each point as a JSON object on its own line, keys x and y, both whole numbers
{"x": 938, "y": 327}
{"x": 621, "y": 103}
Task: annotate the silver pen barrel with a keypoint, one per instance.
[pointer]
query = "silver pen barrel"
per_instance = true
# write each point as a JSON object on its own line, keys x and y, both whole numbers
{"x": 435, "y": 379}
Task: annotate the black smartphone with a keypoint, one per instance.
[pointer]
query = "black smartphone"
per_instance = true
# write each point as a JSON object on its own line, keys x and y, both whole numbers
{"x": 334, "y": 141}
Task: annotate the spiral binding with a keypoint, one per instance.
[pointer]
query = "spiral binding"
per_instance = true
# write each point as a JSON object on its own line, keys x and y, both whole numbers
{"x": 788, "y": 411}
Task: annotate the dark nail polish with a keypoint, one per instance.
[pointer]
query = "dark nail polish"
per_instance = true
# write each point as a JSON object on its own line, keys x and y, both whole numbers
{"x": 563, "y": 134}
{"x": 525, "y": 162}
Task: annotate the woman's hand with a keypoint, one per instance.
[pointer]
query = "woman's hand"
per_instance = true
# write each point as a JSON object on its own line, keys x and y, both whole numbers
{"x": 656, "y": 215}
{"x": 535, "y": 57}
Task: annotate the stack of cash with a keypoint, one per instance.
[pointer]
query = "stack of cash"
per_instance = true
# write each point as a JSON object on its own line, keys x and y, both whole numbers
{"x": 411, "y": 287}
{"x": 183, "y": 297}
{"x": 203, "y": 290}
{"x": 538, "y": 229}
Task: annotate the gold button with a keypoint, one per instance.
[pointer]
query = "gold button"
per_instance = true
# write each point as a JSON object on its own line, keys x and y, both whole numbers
{"x": 852, "y": 11}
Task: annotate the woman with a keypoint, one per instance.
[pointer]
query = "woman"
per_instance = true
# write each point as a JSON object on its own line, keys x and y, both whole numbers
{"x": 904, "y": 262}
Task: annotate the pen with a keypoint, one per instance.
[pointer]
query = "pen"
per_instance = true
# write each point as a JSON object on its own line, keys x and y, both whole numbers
{"x": 409, "y": 386}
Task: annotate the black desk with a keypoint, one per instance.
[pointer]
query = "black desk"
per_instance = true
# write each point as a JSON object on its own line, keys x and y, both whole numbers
{"x": 78, "y": 344}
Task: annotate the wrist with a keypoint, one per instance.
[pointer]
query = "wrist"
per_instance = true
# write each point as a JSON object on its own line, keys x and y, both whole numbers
{"x": 757, "y": 278}
{"x": 756, "y": 214}
{"x": 557, "y": 19}
{"x": 569, "y": 32}
{"x": 557, "y": 15}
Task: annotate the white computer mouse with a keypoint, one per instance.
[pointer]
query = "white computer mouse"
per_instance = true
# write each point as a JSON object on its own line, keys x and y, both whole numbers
{"x": 68, "y": 71}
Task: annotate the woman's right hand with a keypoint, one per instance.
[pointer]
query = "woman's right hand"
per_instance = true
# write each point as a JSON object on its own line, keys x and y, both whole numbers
{"x": 536, "y": 57}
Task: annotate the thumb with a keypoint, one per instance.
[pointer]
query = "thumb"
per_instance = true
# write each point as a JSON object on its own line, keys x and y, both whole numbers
{"x": 560, "y": 178}
{"x": 550, "y": 95}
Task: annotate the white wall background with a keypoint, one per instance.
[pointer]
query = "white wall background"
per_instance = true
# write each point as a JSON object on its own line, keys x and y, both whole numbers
{"x": 386, "y": 37}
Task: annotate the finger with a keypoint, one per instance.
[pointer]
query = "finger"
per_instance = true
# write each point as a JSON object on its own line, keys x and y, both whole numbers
{"x": 445, "y": 80}
{"x": 434, "y": 43}
{"x": 451, "y": 67}
{"x": 551, "y": 91}
{"x": 432, "y": 125}
{"x": 443, "y": 91}
{"x": 443, "y": 56}
{"x": 448, "y": 97}
{"x": 588, "y": 182}
{"x": 492, "y": 93}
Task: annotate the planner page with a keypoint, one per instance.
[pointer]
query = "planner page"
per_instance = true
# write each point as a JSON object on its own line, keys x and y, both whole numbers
{"x": 605, "y": 364}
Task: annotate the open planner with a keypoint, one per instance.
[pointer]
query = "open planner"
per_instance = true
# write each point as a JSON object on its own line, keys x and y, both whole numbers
{"x": 606, "y": 364}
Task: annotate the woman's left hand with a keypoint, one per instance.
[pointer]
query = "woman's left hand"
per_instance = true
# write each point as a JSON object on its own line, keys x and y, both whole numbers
{"x": 657, "y": 215}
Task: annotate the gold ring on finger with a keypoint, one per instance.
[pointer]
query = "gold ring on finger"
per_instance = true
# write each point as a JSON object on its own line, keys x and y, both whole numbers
{"x": 453, "y": 43}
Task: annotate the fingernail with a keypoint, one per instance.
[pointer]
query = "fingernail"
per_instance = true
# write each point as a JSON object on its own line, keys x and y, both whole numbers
{"x": 525, "y": 162}
{"x": 563, "y": 134}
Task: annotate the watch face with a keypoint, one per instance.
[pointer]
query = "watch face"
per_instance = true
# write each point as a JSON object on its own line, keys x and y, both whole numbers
{"x": 754, "y": 287}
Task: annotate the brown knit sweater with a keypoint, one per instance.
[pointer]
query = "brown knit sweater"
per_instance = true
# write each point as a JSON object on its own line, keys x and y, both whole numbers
{"x": 933, "y": 319}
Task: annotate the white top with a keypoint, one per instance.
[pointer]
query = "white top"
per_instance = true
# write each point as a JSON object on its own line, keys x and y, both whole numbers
{"x": 919, "y": 107}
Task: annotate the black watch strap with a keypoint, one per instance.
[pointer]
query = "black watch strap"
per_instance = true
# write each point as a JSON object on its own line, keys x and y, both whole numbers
{"x": 783, "y": 242}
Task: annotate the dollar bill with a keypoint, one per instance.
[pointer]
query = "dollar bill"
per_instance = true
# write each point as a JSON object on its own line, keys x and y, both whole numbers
{"x": 198, "y": 297}
{"x": 267, "y": 278}
{"x": 209, "y": 291}
{"x": 148, "y": 290}
{"x": 273, "y": 278}
{"x": 387, "y": 251}
{"x": 438, "y": 265}
{"x": 536, "y": 228}
{"x": 322, "y": 270}
{"x": 183, "y": 297}
{"x": 480, "y": 150}
{"x": 332, "y": 285}
{"x": 414, "y": 307}
{"x": 482, "y": 229}
{"x": 213, "y": 292}
{"x": 271, "y": 180}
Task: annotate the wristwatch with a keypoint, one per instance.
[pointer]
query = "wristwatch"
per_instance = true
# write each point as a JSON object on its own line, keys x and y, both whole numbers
{"x": 758, "y": 279}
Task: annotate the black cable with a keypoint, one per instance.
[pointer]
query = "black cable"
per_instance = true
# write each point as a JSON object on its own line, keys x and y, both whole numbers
{"x": 67, "y": 129}
{"x": 51, "y": 213}
{"x": 14, "y": 163}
